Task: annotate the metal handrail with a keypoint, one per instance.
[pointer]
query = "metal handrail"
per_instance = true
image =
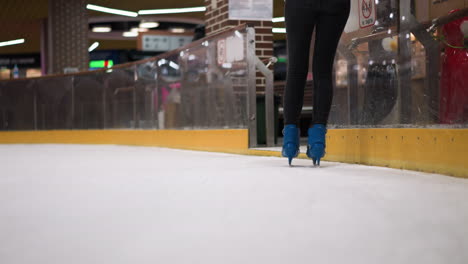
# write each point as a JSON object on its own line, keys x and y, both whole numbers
{"x": 129, "y": 64}
{"x": 429, "y": 26}
{"x": 437, "y": 22}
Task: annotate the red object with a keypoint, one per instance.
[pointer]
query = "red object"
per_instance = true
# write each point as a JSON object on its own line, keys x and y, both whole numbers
{"x": 454, "y": 79}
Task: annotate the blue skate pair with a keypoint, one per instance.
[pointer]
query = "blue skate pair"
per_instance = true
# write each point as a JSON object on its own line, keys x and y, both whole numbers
{"x": 315, "y": 143}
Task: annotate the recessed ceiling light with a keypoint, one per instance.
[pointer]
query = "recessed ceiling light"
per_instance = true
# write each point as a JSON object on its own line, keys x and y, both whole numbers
{"x": 279, "y": 30}
{"x": 177, "y": 30}
{"x": 130, "y": 34}
{"x": 111, "y": 10}
{"x": 12, "y": 42}
{"x": 172, "y": 10}
{"x": 135, "y": 29}
{"x": 277, "y": 19}
{"x": 149, "y": 24}
{"x": 102, "y": 29}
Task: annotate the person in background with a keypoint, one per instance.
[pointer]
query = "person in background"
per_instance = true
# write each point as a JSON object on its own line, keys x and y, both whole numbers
{"x": 328, "y": 18}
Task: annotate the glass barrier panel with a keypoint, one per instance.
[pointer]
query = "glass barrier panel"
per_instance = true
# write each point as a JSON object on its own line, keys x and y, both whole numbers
{"x": 201, "y": 86}
{"x": 54, "y": 103}
{"x": 390, "y": 71}
{"x": 17, "y": 105}
{"x": 88, "y": 101}
{"x": 120, "y": 98}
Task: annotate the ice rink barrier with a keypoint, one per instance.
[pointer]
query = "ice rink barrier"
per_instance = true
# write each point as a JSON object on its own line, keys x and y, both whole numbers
{"x": 202, "y": 97}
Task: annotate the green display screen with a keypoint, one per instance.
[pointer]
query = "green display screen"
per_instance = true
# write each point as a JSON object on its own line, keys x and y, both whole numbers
{"x": 282, "y": 59}
{"x": 101, "y": 64}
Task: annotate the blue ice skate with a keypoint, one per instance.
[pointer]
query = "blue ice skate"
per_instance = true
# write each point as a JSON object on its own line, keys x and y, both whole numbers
{"x": 290, "y": 142}
{"x": 316, "y": 143}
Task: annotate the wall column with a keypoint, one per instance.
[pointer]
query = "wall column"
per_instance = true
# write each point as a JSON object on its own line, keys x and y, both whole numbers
{"x": 67, "y": 36}
{"x": 217, "y": 20}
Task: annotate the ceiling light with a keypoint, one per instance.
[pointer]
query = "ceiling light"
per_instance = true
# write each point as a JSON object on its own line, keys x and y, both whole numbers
{"x": 135, "y": 29}
{"x": 102, "y": 29}
{"x": 174, "y": 65}
{"x": 279, "y": 30}
{"x": 130, "y": 34}
{"x": 111, "y": 10}
{"x": 277, "y": 19}
{"x": 177, "y": 30}
{"x": 161, "y": 62}
{"x": 11, "y": 42}
{"x": 148, "y": 24}
{"x": 93, "y": 46}
{"x": 172, "y": 10}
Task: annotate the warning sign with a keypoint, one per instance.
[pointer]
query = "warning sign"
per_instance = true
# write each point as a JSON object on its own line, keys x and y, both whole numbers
{"x": 366, "y": 13}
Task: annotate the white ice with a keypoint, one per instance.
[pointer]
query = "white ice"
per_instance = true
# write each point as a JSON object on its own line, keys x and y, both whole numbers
{"x": 81, "y": 204}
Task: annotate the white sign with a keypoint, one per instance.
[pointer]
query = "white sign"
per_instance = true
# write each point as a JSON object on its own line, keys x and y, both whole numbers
{"x": 261, "y": 10}
{"x": 221, "y": 51}
{"x": 164, "y": 43}
{"x": 366, "y": 13}
{"x": 230, "y": 50}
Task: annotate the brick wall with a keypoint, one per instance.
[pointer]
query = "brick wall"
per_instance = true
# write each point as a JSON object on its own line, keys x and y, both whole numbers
{"x": 216, "y": 20}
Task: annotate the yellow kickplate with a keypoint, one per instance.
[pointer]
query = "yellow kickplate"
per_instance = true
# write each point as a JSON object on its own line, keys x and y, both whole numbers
{"x": 226, "y": 140}
{"x": 443, "y": 151}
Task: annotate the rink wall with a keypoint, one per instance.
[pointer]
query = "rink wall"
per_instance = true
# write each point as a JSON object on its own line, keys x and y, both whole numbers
{"x": 430, "y": 150}
{"x": 229, "y": 140}
{"x": 442, "y": 151}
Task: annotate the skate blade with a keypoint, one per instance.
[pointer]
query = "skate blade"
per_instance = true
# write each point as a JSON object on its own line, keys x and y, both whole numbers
{"x": 316, "y": 162}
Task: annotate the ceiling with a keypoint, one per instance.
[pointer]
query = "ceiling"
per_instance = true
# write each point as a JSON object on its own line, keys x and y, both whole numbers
{"x": 22, "y": 19}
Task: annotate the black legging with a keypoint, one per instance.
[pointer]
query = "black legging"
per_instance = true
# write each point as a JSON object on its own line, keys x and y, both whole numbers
{"x": 329, "y": 19}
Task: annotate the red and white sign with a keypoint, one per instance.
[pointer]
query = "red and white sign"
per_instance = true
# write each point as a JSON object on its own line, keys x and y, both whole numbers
{"x": 366, "y": 13}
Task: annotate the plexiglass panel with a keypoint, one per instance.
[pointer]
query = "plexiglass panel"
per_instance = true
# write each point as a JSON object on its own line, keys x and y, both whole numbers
{"x": 202, "y": 86}
{"x": 391, "y": 71}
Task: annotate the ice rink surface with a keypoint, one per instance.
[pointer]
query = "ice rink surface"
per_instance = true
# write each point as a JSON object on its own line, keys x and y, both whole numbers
{"x": 80, "y": 204}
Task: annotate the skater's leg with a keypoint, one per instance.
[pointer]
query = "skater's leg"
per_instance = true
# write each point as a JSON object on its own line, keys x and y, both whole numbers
{"x": 329, "y": 28}
{"x": 330, "y": 25}
{"x": 300, "y": 20}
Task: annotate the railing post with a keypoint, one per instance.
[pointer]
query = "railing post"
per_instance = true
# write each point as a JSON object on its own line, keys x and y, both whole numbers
{"x": 251, "y": 88}
{"x": 404, "y": 61}
{"x": 432, "y": 80}
{"x": 269, "y": 102}
{"x": 72, "y": 102}
{"x": 35, "y": 105}
{"x": 135, "y": 78}
{"x": 352, "y": 83}
{"x": 104, "y": 102}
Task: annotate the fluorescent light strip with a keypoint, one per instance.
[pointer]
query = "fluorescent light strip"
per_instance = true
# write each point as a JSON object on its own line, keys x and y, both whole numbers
{"x": 174, "y": 65}
{"x": 172, "y": 10}
{"x": 102, "y": 29}
{"x": 111, "y": 10}
{"x": 278, "y": 19}
{"x": 93, "y": 46}
{"x": 279, "y": 30}
{"x": 136, "y": 29}
{"x": 130, "y": 34}
{"x": 177, "y": 30}
{"x": 148, "y": 24}
{"x": 11, "y": 42}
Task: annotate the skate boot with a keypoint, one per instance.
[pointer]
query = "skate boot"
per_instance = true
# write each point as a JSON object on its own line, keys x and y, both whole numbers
{"x": 316, "y": 143}
{"x": 291, "y": 142}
